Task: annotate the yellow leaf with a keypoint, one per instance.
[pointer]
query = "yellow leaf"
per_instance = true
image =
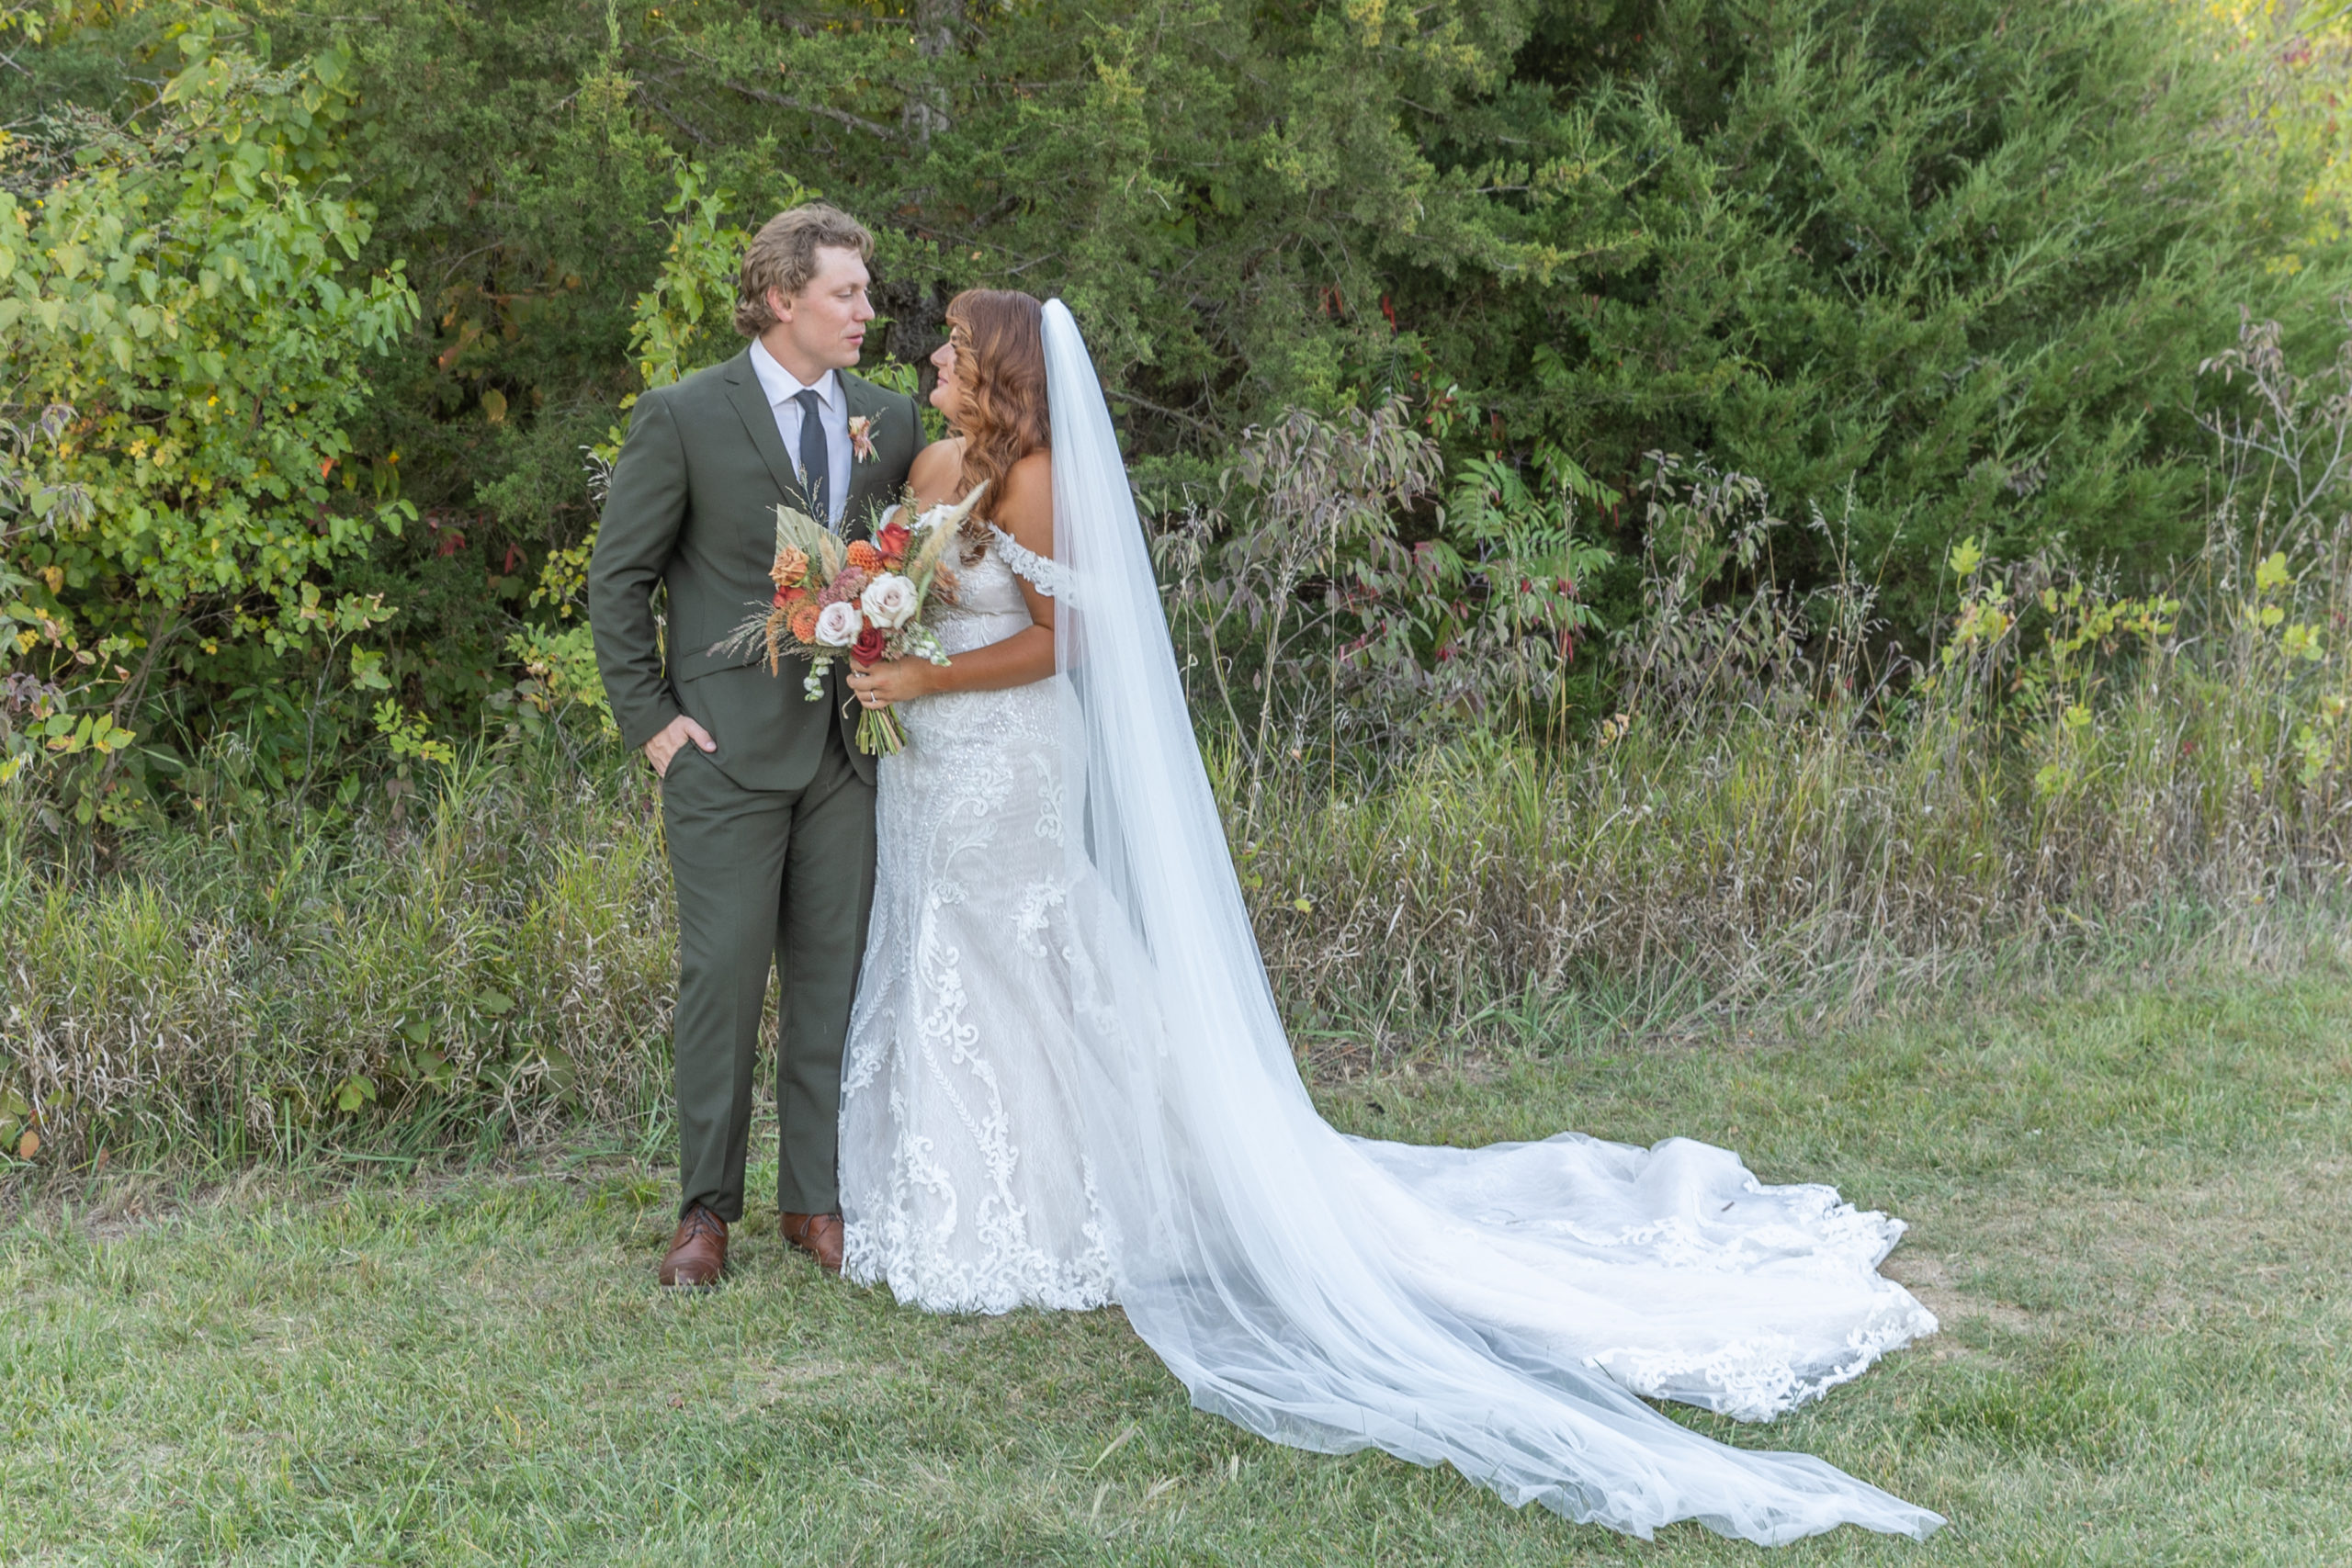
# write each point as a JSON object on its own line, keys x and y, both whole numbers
{"x": 28, "y": 1145}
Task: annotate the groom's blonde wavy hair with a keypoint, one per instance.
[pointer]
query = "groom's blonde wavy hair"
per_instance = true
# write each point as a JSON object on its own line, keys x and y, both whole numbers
{"x": 783, "y": 257}
{"x": 999, "y": 338}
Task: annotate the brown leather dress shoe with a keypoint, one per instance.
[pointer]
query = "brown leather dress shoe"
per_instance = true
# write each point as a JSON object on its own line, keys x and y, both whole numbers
{"x": 697, "y": 1255}
{"x": 820, "y": 1235}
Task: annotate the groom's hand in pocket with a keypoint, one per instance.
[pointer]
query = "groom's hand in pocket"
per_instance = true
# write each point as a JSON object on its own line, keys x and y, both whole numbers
{"x": 675, "y": 734}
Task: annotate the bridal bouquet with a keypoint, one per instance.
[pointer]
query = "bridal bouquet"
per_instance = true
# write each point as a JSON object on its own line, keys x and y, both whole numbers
{"x": 861, "y": 598}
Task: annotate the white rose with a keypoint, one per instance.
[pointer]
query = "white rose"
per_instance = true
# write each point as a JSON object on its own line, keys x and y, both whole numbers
{"x": 837, "y": 624}
{"x": 889, "y": 600}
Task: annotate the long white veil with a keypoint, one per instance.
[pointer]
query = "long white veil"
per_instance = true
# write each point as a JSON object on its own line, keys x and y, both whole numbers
{"x": 1489, "y": 1309}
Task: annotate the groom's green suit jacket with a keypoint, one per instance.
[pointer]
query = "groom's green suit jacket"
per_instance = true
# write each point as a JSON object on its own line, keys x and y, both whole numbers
{"x": 692, "y": 506}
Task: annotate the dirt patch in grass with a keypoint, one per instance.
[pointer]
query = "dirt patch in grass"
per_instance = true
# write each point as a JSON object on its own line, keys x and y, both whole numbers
{"x": 1926, "y": 1276}
{"x": 2156, "y": 1261}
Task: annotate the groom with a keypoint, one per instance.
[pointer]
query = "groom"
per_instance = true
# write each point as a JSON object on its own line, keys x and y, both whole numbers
{"x": 766, "y": 802}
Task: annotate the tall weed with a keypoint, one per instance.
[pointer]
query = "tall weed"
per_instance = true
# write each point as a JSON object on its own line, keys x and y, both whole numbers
{"x": 503, "y": 952}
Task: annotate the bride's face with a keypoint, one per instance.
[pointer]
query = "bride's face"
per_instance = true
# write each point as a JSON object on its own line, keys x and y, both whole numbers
{"x": 948, "y": 394}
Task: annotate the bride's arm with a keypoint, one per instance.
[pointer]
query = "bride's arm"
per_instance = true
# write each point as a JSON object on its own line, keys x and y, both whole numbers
{"x": 1025, "y": 511}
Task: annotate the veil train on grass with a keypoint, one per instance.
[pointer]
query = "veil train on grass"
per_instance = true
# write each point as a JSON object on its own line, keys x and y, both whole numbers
{"x": 1498, "y": 1309}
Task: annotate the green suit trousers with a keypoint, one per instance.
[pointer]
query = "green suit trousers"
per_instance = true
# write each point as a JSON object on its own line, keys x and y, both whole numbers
{"x": 762, "y": 872}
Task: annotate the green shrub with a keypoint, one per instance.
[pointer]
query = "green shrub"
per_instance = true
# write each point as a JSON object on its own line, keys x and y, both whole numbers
{"x": 186, "y": 352}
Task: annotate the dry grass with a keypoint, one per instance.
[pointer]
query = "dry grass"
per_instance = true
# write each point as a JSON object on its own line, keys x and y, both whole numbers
{"x": 499, "y": 957}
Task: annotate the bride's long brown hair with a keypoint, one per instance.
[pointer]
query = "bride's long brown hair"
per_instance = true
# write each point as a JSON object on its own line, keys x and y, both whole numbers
{"x": 999, "y": 338}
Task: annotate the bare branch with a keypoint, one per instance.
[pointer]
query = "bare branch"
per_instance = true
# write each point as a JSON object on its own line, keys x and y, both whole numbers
{"x": 782, "y": 101}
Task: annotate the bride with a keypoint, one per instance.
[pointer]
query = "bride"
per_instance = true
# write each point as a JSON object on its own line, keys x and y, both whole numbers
{"x": 1067, "y": 1083}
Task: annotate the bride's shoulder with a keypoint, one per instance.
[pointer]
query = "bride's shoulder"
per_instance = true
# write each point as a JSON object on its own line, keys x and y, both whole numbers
{"x": 1029, "y": 483}
{"x": 1026, "y": 508}
{"x": 937, "y": 467}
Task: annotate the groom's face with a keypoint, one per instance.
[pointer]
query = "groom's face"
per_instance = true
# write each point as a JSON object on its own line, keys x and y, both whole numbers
{"x": 823, "y": 326}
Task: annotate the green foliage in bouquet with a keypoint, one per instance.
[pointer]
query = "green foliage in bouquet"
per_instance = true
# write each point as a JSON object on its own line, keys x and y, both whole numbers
{"x": 815, "y": 567}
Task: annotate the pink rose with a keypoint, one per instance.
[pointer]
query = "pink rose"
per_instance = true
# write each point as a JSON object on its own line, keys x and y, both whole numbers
{"x": 837, "y": 624}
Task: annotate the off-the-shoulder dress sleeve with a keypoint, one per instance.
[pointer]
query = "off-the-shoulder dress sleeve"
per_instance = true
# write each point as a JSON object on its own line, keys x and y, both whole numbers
{"x": 1046, "y": 575}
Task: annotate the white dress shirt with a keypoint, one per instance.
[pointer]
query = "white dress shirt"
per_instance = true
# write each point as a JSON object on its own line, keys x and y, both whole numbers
{"x": 781, "y": 387}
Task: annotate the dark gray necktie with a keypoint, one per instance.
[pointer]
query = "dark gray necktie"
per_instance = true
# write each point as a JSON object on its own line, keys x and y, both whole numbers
{"x": 816, "y": 469}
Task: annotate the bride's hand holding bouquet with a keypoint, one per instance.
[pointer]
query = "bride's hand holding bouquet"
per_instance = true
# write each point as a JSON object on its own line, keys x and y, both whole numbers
{"x": 880, "y": 681}
{"x": 860, "y": 598}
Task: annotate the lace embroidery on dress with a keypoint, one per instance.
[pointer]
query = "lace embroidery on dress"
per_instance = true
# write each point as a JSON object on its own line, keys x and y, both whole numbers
{"x": 1760, "y": 1380}
{"x": 959, "y": 1189}
{"x": 1046, "y": 575}
{"x": 966, "y": 1187}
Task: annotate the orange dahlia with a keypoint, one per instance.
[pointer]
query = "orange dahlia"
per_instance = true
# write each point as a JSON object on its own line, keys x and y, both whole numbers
{"x": 865, "y": 557}
{"x": 804, "y": 623}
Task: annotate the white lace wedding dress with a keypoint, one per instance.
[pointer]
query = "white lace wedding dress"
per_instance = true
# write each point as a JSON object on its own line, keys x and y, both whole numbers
{"x": 966, "y": 1191}
{"x": 1066, "y": 1084}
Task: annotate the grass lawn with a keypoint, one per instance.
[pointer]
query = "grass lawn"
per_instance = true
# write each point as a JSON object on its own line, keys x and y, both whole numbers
{"x": 2129, "y": 1207}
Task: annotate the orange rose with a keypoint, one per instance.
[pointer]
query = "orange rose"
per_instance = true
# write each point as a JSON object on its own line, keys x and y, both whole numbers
{"x": 791, "y": 566}
{"x": 865, "y": 557}
{"x": 804, "y": 624}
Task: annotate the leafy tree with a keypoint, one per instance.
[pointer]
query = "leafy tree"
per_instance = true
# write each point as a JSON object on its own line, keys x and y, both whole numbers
{"x": 2300, "y": 53}
{"x": 183, "y": 350}
{"x": 1932, "y": 268}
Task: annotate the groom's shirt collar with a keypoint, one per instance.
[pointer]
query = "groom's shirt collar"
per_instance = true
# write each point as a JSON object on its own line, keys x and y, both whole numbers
{"x": 780, "y": 386}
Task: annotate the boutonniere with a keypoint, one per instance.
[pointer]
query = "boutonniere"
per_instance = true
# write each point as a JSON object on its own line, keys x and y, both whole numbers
{"x": 861, "y": 438}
